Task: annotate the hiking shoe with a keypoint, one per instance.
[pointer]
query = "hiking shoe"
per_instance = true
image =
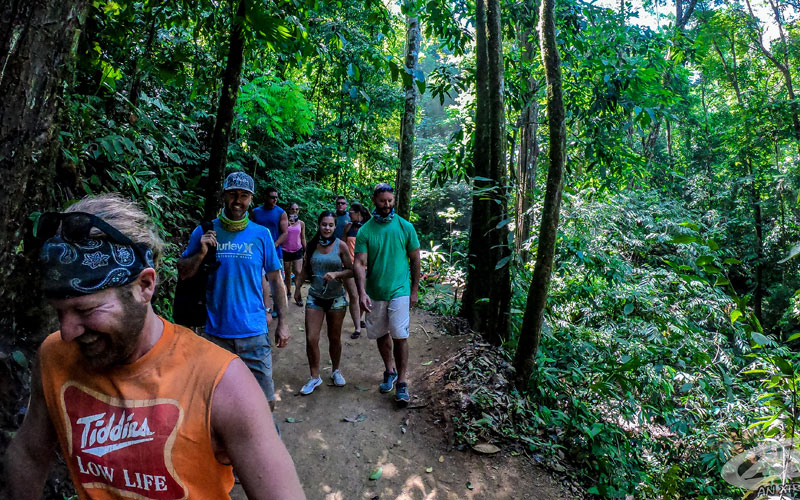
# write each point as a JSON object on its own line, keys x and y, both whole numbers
{"x": 388, "y": 382}
{"x": 312, "y": 384}
{"x": 401, "y": 394}
{"x": 338, "y": 378}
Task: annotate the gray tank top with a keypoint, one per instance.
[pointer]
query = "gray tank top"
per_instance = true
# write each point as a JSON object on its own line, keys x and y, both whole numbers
{"x": 322, "y": 264}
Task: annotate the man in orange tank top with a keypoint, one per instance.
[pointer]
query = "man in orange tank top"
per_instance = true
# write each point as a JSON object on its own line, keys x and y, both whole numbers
{"x": 141, "y": 408}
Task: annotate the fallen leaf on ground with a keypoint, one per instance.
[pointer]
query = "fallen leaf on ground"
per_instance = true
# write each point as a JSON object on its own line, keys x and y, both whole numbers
{"x": 293, "y": 420}
{"x": 429, "y": 470}
{"x": 441, "y": 459}
{"x": 427, "y": 363}
{"x": 359, "y": 388}
{"x": 376, "y": 474}
{"x": 359, "y": 418}
{"x": 485, "y": 448}
{"x": 469, "y": 486}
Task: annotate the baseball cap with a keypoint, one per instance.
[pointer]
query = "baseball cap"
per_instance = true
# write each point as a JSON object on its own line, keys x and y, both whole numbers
{"x": 239, "y": 180}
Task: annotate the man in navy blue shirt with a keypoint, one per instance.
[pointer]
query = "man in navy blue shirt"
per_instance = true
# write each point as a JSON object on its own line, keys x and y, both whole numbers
{"x": 274, "y": 218}
{"x": 237, "y": 316}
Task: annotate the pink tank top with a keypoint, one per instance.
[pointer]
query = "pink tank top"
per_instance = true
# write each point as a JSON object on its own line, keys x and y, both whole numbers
{"x": 292, "y": 243}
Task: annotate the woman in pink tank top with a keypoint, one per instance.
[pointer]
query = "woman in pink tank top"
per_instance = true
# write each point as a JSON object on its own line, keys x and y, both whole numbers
{"x": 293, "y": 248}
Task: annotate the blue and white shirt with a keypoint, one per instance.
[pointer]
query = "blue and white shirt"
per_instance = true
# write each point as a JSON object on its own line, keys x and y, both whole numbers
{"x": 235, "y": 299}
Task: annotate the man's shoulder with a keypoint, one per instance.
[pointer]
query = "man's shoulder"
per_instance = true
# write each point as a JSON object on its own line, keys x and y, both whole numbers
{"x": 53, "y": 345}
{"x": 254, "y": 231}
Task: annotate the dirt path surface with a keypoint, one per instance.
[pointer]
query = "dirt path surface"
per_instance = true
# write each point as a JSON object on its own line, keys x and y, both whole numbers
{"x": 335, "y": 458}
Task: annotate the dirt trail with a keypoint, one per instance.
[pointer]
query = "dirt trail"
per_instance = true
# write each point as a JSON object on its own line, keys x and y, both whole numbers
{"x": 335, "y": 458}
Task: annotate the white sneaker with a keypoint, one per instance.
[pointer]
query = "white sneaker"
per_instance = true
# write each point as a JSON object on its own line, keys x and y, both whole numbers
{"x": 338, "y": 378}
{"x": 312, "y": 384}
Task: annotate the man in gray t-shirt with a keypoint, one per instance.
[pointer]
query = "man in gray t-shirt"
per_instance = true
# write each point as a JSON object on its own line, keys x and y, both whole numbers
{"x": 342, "y": 217}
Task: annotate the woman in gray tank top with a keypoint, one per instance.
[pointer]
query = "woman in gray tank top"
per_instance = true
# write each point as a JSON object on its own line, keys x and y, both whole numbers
{"x": 327, "y": 264}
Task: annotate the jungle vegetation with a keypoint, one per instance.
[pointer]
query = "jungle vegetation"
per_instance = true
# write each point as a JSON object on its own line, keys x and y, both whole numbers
{"x": 612, "y": 204}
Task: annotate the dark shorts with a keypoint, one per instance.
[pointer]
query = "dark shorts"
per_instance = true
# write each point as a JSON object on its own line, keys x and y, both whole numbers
{"x": 256, "y": 354}
{"x": 337, "y": 304}
{"x": 293, "y": 256}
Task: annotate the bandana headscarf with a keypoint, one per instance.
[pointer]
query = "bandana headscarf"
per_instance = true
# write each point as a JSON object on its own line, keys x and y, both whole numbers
{"x": 383, "y": 220}
{"x": 74, "y": 269}
{"x": 233, "y": 226}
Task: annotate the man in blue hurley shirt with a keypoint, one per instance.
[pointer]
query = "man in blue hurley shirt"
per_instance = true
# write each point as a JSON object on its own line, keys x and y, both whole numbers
{"x": 237, "y": 317}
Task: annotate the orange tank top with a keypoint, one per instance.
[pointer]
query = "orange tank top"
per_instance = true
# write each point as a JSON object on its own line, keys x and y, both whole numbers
{"x": 141, "y": 430}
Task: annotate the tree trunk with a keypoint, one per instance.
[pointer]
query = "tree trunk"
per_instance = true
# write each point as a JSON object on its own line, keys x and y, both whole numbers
{"x": 681, "y": 19}
{"x": 526, "y": 173}
{"x": 37, "y": 43}
{"x": 404, "y": 175}
{"x": 528, "y": 122}
{"x": 531, "y": 329}
{"x": 782, "y": 67}
{"x": 218, "y": 155}
{"x": 758, "y": 293}
{"x": 473, "y": 307}
{"x": 498, "y": 327}
{"x": 136, "y": 83}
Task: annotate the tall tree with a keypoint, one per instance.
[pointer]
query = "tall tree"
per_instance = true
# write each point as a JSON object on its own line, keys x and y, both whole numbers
{"x": 785, "y": 69}
{"x": 682, "y": 15}
{"x": 731, "y": 69}
{"x": 486, "y": 307}
{"x": 407, "y": 123}
{"x": 37, "y": 41}
{"x": 531, "y": 328}
{"x": 218, "y": 154}
{"x": 528, "y": 123}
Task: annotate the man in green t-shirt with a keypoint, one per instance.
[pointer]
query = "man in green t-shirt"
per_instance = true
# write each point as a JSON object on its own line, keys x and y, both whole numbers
{"x": 387, "y": 275}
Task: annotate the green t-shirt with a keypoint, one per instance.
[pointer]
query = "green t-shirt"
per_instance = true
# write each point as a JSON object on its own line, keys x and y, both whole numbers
{"x": 387, "y": 247}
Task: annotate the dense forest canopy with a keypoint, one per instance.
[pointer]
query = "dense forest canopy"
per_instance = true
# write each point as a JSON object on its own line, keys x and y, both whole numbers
{"x": 668, "y": 341}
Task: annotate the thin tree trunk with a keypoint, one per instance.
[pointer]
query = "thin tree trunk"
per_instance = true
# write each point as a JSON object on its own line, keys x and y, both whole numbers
{"x": 528, "y": 137}
{"x": 526, "y": 173}
{"x": 407, "y": 135}
{"x": 669, "y": 145}
{"x": 531, "y": 329}
{"x": 218, "y": 156}
{"x": 37, "y": 47}
{"x": 136, "y": 83}
{"x": 681, "y": 19}
{"x": 758, "y": 293}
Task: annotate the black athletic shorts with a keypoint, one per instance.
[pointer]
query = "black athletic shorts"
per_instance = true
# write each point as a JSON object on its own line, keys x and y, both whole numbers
{"x": 293, "y": 256}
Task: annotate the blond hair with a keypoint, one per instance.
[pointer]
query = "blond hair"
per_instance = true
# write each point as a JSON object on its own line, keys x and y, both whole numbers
{"x": 126, "y": 216}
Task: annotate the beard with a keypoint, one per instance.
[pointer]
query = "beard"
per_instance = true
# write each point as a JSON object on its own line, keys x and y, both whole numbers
{"x": 116, "y": 344}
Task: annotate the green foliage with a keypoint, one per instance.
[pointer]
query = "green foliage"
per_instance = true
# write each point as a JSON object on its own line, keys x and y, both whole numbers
{"x": 644, "y": 374}
{"x": 276, "y": 108}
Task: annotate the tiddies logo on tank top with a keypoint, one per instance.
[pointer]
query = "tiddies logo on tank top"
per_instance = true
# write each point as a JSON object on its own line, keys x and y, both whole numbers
{"x": 123, "y": 446}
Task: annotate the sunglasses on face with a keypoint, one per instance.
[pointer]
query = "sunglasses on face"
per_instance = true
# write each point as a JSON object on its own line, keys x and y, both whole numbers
{"x": 76, "y": 227}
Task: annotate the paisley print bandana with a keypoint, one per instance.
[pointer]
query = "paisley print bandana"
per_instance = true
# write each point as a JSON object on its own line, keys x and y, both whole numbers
{"x": 71, "y": 269}
{"x": 383, "y": 220}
